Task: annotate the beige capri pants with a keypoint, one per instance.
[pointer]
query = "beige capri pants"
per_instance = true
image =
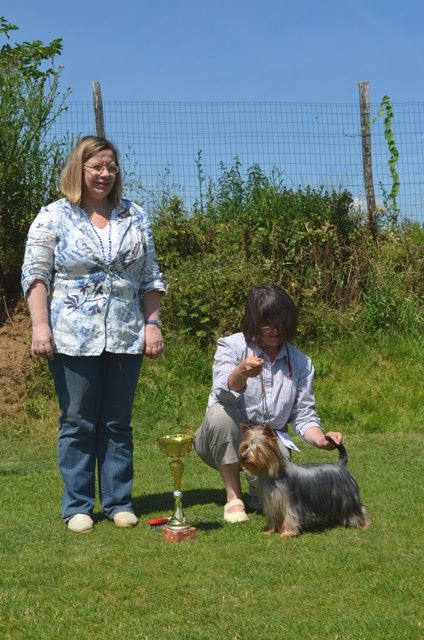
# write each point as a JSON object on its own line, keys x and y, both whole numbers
{"x": 218, "y": 438}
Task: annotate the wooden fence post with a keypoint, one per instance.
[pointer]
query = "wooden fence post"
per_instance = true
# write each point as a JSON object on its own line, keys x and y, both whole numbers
{"x": 98, "y": 109}
{"x": 364, "y": 104}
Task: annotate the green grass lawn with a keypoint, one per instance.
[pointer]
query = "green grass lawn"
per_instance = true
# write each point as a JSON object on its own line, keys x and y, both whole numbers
{"x": 231, "y": 582}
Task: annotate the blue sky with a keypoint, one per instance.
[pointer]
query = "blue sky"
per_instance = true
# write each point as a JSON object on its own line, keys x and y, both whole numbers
{"x": 235, "y": 50}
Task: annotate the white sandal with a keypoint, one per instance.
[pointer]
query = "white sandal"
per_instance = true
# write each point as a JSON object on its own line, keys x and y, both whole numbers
{"x": 235, "y": 516}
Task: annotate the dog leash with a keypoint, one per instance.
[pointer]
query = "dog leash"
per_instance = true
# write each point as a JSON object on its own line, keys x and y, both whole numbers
{"x": 265, "y": 409}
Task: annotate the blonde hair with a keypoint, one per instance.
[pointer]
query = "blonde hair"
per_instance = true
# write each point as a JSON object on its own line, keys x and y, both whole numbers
{"x": 71, "y": 178}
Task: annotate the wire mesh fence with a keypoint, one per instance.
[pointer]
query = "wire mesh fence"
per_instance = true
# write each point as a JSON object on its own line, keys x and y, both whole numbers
{"x": 178, "y": 147}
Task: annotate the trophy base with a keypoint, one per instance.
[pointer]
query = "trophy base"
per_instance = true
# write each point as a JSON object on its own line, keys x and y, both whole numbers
{"x": 179, "y": 534}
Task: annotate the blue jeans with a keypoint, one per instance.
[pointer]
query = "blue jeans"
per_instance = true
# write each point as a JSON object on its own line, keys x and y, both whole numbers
{"x": 96, "y": 395}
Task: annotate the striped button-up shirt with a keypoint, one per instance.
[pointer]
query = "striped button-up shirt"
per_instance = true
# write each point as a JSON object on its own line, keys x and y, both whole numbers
{"x": 282, "y": 394}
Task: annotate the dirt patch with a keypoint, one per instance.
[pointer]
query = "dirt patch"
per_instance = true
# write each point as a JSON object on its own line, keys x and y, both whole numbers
{"x": 15, "y": 362}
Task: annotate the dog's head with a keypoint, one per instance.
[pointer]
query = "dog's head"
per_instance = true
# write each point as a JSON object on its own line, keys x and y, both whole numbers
{"x": 259, "y": 452}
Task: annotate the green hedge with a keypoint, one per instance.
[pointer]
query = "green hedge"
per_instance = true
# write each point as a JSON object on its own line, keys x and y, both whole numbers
{"x": 312, "y": 242}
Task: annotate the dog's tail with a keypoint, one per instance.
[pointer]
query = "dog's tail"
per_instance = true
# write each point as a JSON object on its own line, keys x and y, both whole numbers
{"x": 341, "y": 449}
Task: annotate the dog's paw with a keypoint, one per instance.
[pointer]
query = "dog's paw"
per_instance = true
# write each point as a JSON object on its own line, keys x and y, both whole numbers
{"x": 286, "y": 533}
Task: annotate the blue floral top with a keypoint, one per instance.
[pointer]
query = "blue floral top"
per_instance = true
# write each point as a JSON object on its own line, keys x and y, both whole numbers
{"x": 93, "y": 306}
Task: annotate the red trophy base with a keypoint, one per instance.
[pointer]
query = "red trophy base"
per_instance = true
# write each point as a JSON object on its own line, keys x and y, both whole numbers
{"x": 178, "y": 535}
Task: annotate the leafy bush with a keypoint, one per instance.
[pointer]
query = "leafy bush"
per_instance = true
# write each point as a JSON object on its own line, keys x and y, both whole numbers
{"x": 394, "y": 291}
{"x": 250, "y": 229}
{"x": 29, "y": 161}
{"x": 254, "y": 230}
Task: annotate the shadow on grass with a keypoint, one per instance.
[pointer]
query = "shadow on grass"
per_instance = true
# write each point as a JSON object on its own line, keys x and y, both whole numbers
{"x": 153, "y": 502}
{"x": 15, "y": 470}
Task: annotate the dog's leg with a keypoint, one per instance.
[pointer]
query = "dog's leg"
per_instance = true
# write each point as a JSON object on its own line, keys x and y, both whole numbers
{"x": 364, "y": 520}
{"x": 361, "y": 520}
{"x": 290, "y": 527}
{"x": 269, "y": 532}
{"x": 278, "y": 509}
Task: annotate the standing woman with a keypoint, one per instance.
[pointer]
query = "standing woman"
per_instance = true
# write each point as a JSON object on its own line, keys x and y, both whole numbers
{"x": 94, "y": 288}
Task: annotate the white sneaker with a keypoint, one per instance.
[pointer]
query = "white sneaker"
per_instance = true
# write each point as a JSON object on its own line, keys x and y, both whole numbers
{"x": 80, "y": 523}
{"x": 125, "y": 519}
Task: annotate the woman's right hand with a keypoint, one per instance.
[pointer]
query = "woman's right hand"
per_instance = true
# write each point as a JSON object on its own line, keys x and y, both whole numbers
{"x": 42, "y": 336}
{"x": 42, "y": 341}
{"x": 251, "y": 366}
{"x": 248, "y": 368}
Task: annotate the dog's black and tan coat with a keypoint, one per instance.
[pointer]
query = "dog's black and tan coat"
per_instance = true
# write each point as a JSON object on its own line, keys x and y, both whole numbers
{"x": 297, "y": 497}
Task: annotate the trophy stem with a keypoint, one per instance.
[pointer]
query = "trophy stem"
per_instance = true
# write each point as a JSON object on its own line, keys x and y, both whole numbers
{"x": 177, "y": 470}
{"x": 177, "y": 520}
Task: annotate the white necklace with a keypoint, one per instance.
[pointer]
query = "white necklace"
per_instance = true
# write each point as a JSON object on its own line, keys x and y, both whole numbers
{"x": 108, "y": 259}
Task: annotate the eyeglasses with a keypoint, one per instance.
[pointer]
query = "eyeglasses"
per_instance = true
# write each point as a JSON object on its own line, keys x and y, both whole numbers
{"x": 268, "y": 329}
{"x": 98, "y": 169}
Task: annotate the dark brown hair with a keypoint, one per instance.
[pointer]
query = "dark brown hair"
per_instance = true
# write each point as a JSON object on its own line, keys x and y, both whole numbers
{"x": 269, "y": 305}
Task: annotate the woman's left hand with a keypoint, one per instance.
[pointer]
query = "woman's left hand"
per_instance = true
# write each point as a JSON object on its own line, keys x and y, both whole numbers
{"x": 153, "y": 341}
{"x": 336, "y": 437}
{"x": 317, "y": 437}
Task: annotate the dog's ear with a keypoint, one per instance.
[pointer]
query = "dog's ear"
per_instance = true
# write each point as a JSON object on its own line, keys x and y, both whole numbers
{"x": 244, "y": 427}
{"x": 269, "y": 431}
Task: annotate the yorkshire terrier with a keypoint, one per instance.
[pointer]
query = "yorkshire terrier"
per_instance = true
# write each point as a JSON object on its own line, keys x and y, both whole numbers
{"x": 298, "y": 497}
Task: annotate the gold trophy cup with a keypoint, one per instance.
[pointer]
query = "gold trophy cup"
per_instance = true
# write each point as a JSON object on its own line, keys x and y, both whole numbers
{"x": 176, "y": 447}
